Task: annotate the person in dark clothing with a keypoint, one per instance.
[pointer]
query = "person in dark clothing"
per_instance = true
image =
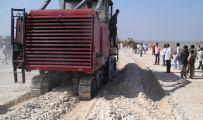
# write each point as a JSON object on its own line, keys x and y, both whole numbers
{"x": 184, "y": 61}
{"x": 192, "y": 47}
{"x": 114, "y": 27}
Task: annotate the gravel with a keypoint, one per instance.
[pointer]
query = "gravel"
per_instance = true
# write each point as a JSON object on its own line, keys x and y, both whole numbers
{"x": 134, "y": 94}
{"x": 51, "y": 105}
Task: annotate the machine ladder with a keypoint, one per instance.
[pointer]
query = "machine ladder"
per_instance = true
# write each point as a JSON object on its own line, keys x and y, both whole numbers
{"x": 18, "y": 44}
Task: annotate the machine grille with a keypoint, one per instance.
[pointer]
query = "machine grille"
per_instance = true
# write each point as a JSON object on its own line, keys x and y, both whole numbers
{"x": 60, "y": 41}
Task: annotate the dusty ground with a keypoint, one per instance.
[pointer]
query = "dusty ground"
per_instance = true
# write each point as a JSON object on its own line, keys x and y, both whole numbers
{"x": 185, "y": 94}
{"x": 134, "y": 93}
{"x": 9, "y": 91}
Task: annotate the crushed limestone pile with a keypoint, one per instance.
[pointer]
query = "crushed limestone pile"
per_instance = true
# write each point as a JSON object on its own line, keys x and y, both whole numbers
{"x": 51, "y": 105}
{"x": 134, "y": 94}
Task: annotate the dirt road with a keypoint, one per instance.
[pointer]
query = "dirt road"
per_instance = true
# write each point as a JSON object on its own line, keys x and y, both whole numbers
{"x": 134, "y": 93}
{"x": 185, "y": 94}
{"x": 10, "y": 92}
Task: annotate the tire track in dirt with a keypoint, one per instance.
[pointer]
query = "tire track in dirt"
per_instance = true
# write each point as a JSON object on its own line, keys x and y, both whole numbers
{"x": 84, "y": 108}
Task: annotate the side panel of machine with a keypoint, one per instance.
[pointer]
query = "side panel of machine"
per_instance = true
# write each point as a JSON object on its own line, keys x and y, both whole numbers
{"x": 100, "y": 42}
{"x": 105, "y": 40}
{"x": 96, "y": 41}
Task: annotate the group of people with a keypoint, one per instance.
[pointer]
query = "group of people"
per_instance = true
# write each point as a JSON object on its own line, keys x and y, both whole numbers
{"x": 142, "y": 47}
{"x": 167, "y": 55}
{"x": 186, "y": 58}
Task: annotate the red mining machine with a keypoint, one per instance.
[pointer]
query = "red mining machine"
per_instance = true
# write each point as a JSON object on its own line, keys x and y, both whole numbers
{"x": 72, "y": 42}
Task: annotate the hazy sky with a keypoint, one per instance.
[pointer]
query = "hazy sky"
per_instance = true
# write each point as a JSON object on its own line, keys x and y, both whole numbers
{"x": 150, "y": 20}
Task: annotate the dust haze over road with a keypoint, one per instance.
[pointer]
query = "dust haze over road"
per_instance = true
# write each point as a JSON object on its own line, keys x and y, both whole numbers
{"x": 134, "y": 93}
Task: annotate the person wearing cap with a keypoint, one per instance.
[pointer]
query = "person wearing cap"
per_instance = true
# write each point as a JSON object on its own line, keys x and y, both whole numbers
{"x": 177, "y": 58}
{"x": 114, "y": 26}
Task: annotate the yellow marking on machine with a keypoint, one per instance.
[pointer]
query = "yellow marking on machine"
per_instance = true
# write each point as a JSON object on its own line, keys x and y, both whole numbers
{"x": 37, "y": 68}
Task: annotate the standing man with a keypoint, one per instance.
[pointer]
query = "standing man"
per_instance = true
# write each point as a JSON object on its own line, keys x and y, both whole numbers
{"x": 138, "y": 46}
{"x": 191, "y": 64}
{"x": 177, "y": 58}
{"x": 114, "y": 27}
{"x": 199, "y": 48}
{"x": 168, "y": 57}
{"x": 140, "y": 49}
{"x": 184, "y": 61}
{"x": 199, "y": 57}
{"x": 145, "y": 48}
{"x": 157, "y": 54}
{"x": 153, "y": 50}
{"x": 164, "y": 51}
{"x": 5, "y": 53}
{"x": 135, "y": 47}
{"x": 121, "y": 44}
{"x": 192, "y": 47}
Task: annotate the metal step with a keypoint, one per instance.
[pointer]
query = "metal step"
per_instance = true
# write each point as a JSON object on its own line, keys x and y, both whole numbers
{"x": 17, "y": 60}
{"x": 17, "y": 72}
{"x": 18, "y": 50}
